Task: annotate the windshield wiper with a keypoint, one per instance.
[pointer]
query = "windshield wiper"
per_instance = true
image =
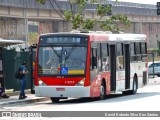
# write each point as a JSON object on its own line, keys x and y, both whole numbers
{"x": 55, "y": 52}
{"x": 69, "y": 53}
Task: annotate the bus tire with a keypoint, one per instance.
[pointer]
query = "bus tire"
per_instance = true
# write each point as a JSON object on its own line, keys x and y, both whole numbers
{"x": 125, "y": 92}
{"x": 103, "y": 91}
{"x": 55, "y": 100}
{"x": 134, "y": 90}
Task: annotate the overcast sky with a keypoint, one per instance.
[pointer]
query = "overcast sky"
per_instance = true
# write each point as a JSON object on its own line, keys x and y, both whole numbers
{"x": 153, "y": 2}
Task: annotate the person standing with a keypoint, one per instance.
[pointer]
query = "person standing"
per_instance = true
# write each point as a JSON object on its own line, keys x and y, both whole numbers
{"x": 2, "y": 90}
{"x": 23, "y": 80}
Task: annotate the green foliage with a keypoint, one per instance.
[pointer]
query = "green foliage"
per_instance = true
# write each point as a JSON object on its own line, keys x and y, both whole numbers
{"x": 77, "y": 21}
{"x": 122, "y": 18}
{"x": 41, "y": 1}
{"x": 68, "y": 15}
{"x": 89, "y": 24}
{"x": 102, "y": 10}
{"x": 111, "y": 23}
{"x": 33, "y": 37}
{"x": 93, "y": 1}
{"x": 81, "y": 4}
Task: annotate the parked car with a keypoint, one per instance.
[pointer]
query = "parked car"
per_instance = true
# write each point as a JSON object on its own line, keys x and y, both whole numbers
{"x": 156, "y": 66}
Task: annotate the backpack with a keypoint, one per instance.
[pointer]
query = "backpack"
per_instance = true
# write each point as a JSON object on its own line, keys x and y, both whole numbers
{"x": 19, "y": 74}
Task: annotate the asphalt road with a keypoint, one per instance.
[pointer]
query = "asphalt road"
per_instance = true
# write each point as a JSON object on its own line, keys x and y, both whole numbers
{"x": 146, "y": 99}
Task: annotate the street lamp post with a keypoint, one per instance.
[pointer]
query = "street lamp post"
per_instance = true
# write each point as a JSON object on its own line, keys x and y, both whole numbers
{"x": 153, "y": 64}
{"x": 158, "y": 45}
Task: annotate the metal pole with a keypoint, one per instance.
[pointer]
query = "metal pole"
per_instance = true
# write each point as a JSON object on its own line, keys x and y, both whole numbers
{"x": 26, "y": 24}
{"x": 153, "y": 64}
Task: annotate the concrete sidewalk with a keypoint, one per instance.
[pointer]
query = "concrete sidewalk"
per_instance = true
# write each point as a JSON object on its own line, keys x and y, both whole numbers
{"x": 154, "y": 81}
{"x": 31, "y": 98}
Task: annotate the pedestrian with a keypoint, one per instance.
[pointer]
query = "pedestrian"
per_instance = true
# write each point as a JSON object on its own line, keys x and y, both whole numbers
{"x": 23, "y": 80}
{"x": 2, "y": 90}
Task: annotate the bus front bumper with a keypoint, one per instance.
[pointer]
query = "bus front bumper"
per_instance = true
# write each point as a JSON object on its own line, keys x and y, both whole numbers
{"x": 62, "y": 91}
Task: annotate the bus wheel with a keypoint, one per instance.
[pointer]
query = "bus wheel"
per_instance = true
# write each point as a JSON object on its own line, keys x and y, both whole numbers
{"x": 103, "y": 91}
{"x": 134, "y": 90}
{"x": 125, "y": 93}
{"x": 54, "y": 100}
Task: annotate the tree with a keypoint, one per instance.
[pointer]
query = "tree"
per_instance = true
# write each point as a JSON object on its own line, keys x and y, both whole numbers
{"x": 78, "y": 21}
{"x": 41, "y": 1}
{"x": 33, "y": 38}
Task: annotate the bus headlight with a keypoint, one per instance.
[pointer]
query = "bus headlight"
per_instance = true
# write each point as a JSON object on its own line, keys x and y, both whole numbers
{"x": 41, "y": 83}
{"x": 81, "y": 83}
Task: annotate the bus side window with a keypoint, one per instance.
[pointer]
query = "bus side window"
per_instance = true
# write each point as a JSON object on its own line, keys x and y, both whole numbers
{"x": 94, "y": 58}
{"x": 132, "y": 49}
{"x": 138, "y": 51}
{"x": 99, "y": 57}
{"x": 105, "y": 58}
{"x": 120, "y": 57}
{"x": 143, "y": 51}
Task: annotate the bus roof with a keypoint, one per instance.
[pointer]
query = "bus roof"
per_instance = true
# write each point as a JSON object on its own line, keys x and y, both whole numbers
{"x": 123, "y": 37}
{"x": 4, "y": 42}
{"x": 110, "y": 37}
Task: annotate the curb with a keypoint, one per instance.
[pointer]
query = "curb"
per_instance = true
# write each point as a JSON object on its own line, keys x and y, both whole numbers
{"x": 11, "y": 92}
{"x": 32, "y": 100}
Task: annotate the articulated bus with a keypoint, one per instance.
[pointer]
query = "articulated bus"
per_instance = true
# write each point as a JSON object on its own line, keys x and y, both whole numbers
{"x": 76, "y": 65}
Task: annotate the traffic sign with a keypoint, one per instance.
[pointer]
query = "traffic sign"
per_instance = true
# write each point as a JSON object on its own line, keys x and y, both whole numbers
{"x": 64, "y": 70}
{"x": 158, "y": 8}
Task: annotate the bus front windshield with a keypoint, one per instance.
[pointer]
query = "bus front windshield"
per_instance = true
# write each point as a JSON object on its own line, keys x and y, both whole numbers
{"x": 62, "y": 60}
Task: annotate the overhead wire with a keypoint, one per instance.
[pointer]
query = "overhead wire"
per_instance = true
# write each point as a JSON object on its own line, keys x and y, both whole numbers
{"x": 56, "y": 10}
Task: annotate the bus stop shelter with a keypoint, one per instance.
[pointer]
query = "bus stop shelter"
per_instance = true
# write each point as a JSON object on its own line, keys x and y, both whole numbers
{"x": 5, "y": 43}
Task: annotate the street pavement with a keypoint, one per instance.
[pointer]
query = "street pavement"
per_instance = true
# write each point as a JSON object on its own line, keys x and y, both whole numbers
{"x": 154, "y": 81}
{"x": 31, "y": 98}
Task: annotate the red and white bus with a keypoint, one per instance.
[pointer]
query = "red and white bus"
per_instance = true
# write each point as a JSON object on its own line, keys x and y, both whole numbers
{"x": 89, "y": 64}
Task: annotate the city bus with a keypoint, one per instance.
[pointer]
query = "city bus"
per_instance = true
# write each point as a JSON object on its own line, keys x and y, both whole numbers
{"x": 91, "y": 64}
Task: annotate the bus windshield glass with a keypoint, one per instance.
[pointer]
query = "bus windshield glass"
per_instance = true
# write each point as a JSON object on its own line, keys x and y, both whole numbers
{"x": 66, "y": 60}
{"x": 60, "y": 58}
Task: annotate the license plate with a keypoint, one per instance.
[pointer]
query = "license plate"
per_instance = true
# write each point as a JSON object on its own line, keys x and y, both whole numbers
{"x": 60, "y": 89}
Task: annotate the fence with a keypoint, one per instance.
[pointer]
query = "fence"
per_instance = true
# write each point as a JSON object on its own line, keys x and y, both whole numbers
{"x": 11, "y": 61}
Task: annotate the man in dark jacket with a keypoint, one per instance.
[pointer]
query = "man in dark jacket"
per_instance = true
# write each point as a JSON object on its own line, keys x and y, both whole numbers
{"x": 23, "y": 80}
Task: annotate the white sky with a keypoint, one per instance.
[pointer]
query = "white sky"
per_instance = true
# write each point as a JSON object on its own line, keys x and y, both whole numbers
{"x": 153, "y": 2}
